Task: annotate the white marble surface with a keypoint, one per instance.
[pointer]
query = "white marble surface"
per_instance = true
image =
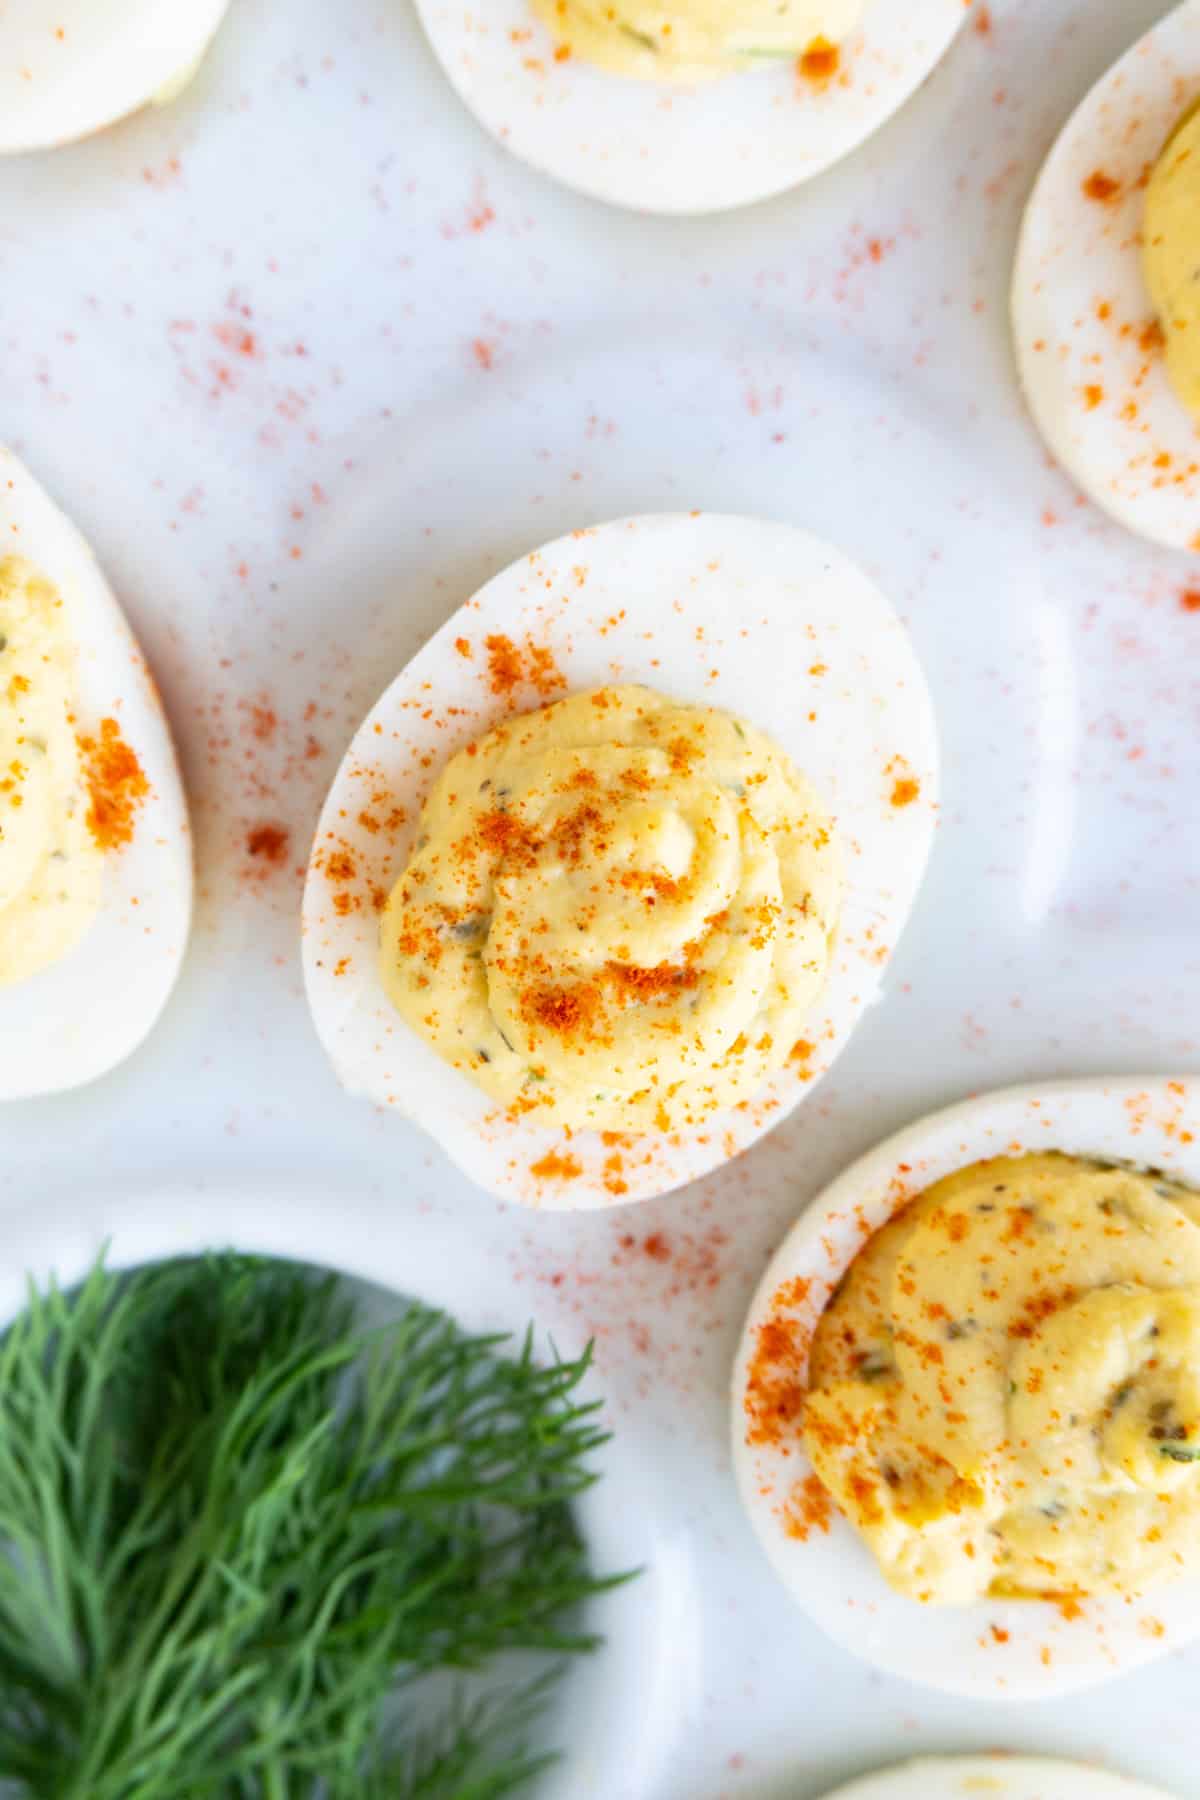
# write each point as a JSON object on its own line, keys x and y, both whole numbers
{"x": 308, "y": 357}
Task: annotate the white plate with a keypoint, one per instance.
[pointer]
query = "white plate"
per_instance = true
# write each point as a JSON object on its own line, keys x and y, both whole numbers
{"x": 760, "y": 619}
{"x": 664, "y": 148}
{"x": 321, "y": 173}
{"x": 996, "y": 1777}
{"x": 1096, "y": 384}
{"x": 1007, "y": 1650}
{"x": 620, "y": 1710}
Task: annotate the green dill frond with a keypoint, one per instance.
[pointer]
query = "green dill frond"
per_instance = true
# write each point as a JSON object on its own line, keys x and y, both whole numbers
{"x": 233, "y": 1526}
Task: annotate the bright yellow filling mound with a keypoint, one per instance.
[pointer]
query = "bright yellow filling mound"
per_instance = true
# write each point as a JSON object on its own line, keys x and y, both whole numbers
{"x": 1171, "y": 254}
{"x": 51, "y": 866}
{"x": 665, "y": 40}
{"x": 1005, "y": 1390}
{"x": 618, "y": 912}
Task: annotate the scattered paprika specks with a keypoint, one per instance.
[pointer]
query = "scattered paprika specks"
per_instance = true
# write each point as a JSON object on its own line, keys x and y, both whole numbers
{"x": 555, "y": 1166}
{"x": 269, "y": 844}
{"x": 340, "y": 867}
{"x": 266, "y": 761}
{"x": 820, "y": 62}
{"x": 983, "y": 22}
{"x": 463, "y": 646}
{"x": 999, "y": 1634}
{"x": 1101, "y": 187}
{"x": 117, "y": 786}
{"x": 905, "y": 791}
{"x": 1189, "y": 600}
{"x": 809, "y": 1509}
{"x": 775, "y": 1386}
{"x": 1093, "y": 394}
{"x": 482, "y": 213}
{"x": 170, "y": 173}
{"x": 506, "y": 669}
{"x": 657, "y": 1247}
{"x": 511, "y": 667}
{"x": 237, "y": 338}
{"x": 484, "y": 353}
{"x": 264, "y": 721}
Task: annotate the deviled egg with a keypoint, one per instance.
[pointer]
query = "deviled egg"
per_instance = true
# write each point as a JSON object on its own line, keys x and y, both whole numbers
{"x": 996, "y": 1777}
{"x": 70, "y": 69}
{"x": 622, "y": 102}
{"x": 1106, "y": 310}
{"x": 614, "y": 866}
{"x": 966, "y": 1411}
{"x": 95, "y": 854}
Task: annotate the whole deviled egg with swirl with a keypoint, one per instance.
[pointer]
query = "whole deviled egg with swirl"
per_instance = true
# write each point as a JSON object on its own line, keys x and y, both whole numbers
{"x": 95, "y": 853}
{"x": 619, "y": 911}
{"x": 1004, "y": 1392}
{"x": 966, "y": 1407}
{"x": 609, "y": 873}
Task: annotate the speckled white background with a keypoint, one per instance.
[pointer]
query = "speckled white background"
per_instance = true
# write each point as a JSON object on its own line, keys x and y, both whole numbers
{"x": 308, "y": 358}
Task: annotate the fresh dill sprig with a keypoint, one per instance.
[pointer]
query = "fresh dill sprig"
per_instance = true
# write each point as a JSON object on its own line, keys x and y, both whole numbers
{"x": 233, "y": 1526}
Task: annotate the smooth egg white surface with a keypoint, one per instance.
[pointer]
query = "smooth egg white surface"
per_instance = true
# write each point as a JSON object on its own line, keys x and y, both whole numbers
{"x": 996, "y": 1777}
{"x": 75, "y": 1020}
{"x": 1093, "y": 371}
{"x": 670, "y": 148}
{"x": 999, "y": 1649}
{"x": 760, "y": 619}
{"x": 74, "y": 67}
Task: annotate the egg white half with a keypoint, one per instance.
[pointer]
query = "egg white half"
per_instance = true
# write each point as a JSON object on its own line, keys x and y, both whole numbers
{"x": 666, "y": 148}
{"x": 77, "y": 1019}
{"x": 1094, "y": 377}
{"x": 1000, "y": 1649}
{"x": 996, "y": 1777}
{"x": 74, "y": 67}
{"x": 759, "y": 619}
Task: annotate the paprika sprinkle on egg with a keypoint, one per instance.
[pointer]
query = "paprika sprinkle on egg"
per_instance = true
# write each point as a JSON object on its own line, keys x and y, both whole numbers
{"x": 116, "y": 784}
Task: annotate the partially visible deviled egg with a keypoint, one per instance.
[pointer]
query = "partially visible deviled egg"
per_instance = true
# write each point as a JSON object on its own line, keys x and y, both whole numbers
{"x": 996, "y": 1777}
{"x": 966, "y": 1407}
{"x": 621, "y": 101}
{"x": 95, "y": 854}
{"x": 611, "y": 871}
{"x": 74, "y": 67}
{"x": 1106, "y": 302}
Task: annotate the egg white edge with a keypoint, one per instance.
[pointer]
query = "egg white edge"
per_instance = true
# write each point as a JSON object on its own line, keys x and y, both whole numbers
{"x": 668, "y": 148}
{"x": 447, "y": 1106}
{"x": 149, "y": 52}
{"x": 1039, "y": 305}
{"x": 1008, "y": 1777}
{"x": 834, "y": 1577}
{"x": 74, "y": 1021}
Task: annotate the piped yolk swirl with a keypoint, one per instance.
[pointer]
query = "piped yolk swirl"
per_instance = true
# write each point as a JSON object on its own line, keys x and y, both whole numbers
{"x": 618, "y": 912}
{"x": 1005, "y": 1391}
